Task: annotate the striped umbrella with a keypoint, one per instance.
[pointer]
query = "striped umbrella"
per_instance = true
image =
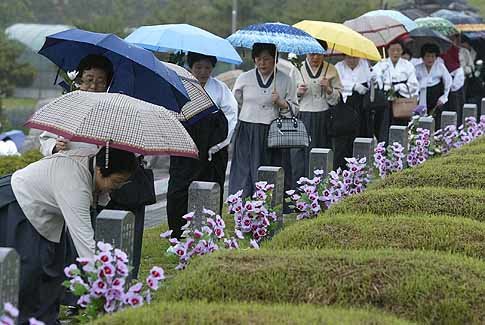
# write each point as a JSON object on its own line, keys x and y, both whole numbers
{"x": 381, "y": 30}
{"x": 124, "y": 122}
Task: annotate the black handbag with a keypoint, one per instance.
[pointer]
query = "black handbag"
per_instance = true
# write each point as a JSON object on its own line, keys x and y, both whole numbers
{"x": 343, "y": 119}
{"x": 287, "y": 132}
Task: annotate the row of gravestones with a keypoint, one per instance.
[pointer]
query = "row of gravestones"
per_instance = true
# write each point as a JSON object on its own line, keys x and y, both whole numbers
{"x": 117, "y": 227}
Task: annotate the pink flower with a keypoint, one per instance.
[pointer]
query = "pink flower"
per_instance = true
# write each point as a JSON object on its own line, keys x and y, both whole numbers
{"x": 189, "y": 216}
{"x": 152, "y": 283}
{"x": 108, "y": 270}
{"x": 10, "y": 309}
{"x": 121, "y": 256}
{"x": 104, "y": 257}
{"x": 114, "y": 294}
{"x": 157, "y": 273}
{"x": 261, "y": 185}
{"x": 254, "y": 244}
{"x": 166, "y": 234}
{"x": 197, "y": 234}
{"x": 121, "y": 268}
{"x": 118, "y": 283}
{"x": 136, "y": 288}
{"x": 70, "y": 271}
{"x": 109, "y": 306}
{"x": 104, "y": 247}
{"x": 100, "y": 285}
{"x": 239, "y": 234}
{"x": 219, "y": 232}
{"x": 33, "y": 321}
{"x": 220, "y": 222}
{"x": 134, "y": 300}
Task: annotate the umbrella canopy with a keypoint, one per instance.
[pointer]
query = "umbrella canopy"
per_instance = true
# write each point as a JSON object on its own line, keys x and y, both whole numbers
{"x": 381, "y": 30}
{"x": 341, "y": 38}
{"x": 396, "y": 15}
{"x": 17, "y": 136}
{"x": 438, "y": 24}
{"x": 127, "y": 123}
{"x": 137, "y": 72}
{"x": 200, "y": 103}
{"x": 421, "y": 36}
{"x": 458, "y": 17}
{"x": 286, "y": 38}
{"x": 184, "y": 37}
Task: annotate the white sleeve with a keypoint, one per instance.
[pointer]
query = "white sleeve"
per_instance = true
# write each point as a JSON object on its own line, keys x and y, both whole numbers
{"x": 47, "y": 143}
{"x": 412, "y": 81}
{"x": 447, "y": 80}
{"x": 74, "y": 198}
{"x": 228, "y": 105}
{"x": 237, "y": 91}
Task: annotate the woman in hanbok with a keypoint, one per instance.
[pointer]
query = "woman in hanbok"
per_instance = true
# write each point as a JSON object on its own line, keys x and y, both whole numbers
{"x": 38, "y": 202}
{"x": 262, "y": 96}
{"x": 397, "y": 77}
{"x": 434, "y": 82}
{"x": 318, "y": 88}
{"x": 354, "y": 75}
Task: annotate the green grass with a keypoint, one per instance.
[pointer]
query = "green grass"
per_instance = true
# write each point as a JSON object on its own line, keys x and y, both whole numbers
{"x": 356, "y": 231}
{"x": 418, "y": 200}
{"x": 10, "y": 164}
{"x": 199, "y": 312}
{"x": 422, "y": 286}
{"x": 12, "y": 102}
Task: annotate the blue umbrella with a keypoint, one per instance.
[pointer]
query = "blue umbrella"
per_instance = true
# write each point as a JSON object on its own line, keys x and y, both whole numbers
{"x": 183, "y": 37}
{"x": 408, "y": 23}
{"x": 17, "y": 136}
{"x": 286, "y": 38}
{"x": 137, "y": 72}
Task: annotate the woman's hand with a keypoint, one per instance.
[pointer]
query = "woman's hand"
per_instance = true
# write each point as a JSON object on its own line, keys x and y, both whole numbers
{"x": 302, "y": 89}
{"x": 275, "y": 98}
{"x": 61, "y": 144}
{"x": 325, "y": 83}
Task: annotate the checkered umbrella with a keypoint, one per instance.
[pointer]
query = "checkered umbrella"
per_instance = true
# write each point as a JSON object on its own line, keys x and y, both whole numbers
{"x": 200, "y": 103}
{"x": 125, "y": 122}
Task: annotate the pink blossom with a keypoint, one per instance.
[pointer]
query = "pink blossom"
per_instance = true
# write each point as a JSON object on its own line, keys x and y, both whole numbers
{"x": 254, "y": 244}
{"x": 152, "y": 283}
{"x": 70, "y": 271}
{"x": 121, "y": 256}
{"x": 166, "y": 234}
{"x": 10, "y": 309}
{"x": 104, "y": 247}
{"x": 136, "y": 288}
{"x": 157, "y": 273}
{"x": 33, "y": 321}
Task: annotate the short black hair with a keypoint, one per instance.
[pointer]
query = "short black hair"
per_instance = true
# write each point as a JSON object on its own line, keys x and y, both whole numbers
{"x": 193, "y": 57}
{"x": 120, "y": 161}
{"x": 98, "y": 62}
{"x": 397, "y": 41}
{"x": 259, "y": 48}
{"x": 430, "y": 48}
{"x": 407, "y": 51}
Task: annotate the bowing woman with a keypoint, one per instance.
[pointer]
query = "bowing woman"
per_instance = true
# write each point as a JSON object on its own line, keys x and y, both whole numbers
{"x": 38, "y": 201}
{"x": 262, "y": 96}
{"x": 318, "y": 89}
{"x": 434, "y": 81}
{"x": 399, "y": 75}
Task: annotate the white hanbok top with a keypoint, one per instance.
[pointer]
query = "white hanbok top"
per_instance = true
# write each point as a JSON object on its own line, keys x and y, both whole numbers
{"x": 400, "y": 76}
{"x": 458, "y": 77}
{"x": 433, "y": 77}
{"x": 224, "y": 99}
{"x": 467, "y": 60}
{"x": 315, "y": 99}
{"x": 58, "y": 190}
{"x": 350, "y": 77}
{"x": 253, "y": 94}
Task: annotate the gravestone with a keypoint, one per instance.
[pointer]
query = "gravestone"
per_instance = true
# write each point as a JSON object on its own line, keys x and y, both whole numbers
{"x": 203, "y": 195}
{"x": 117, "y": 228}
{"x": 427, "y": 122}
{"x": 276, "y": 176}
{"x": 448, "y": 118}
{"x": 320, "y": 159}
{"x": 482, "y": 108}
{"x": 9, "y": 277}
{"x": 399, "y": 134}
{"x": 364, "y": 147}
{"x": 469, "y": 110}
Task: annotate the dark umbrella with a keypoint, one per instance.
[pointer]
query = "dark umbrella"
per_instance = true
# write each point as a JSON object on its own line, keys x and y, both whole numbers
{"x": 421, "y": 36}
{"x": 458, "y": 17}
{"x": 137, "y": 72}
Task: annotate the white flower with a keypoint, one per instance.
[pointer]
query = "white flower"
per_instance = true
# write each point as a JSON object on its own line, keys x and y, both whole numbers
{"x": 292, "y": 56}
{"x": 72, "y": 74}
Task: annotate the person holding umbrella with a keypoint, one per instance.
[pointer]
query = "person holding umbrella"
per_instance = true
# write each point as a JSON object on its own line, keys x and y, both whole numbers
{"x": 318, "y": 88}
{"x": 261, "y": 95}
{"x": 434, "y": 81}
{"x": 37, "y": 201}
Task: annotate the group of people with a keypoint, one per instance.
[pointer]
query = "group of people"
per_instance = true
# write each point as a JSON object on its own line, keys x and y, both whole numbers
{"x": 47, "y": 208}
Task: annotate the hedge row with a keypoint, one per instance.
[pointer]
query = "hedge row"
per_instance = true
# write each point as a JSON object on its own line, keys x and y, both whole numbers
{"x": 422, "y": 286}
{"x": 198, "y": 312}
{"x": 10, "y": 164}
{"x": 356, "y": 231}
{"x": 469, "y": 203}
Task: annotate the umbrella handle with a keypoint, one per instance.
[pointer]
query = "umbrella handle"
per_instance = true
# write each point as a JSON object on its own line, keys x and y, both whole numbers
{"x": 326, "y": 70}
{"x": 274, "y": 69}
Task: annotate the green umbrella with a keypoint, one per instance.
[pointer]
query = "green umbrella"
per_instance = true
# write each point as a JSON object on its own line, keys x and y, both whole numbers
{"x": 440, "y": 25}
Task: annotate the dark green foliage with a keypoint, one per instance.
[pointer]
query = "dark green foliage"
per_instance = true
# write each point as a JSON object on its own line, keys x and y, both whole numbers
{"x": 10, "y": 164}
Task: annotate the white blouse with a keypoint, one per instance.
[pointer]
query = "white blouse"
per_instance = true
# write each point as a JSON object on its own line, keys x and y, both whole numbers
{"x": 433, "y": 77}
{"x": 255, "y": 101}
{"x": 350, "y": 77}
{"x": 224, "y": 99}
{"x": 403, "y": 73}
{"x": 55, "y": 190}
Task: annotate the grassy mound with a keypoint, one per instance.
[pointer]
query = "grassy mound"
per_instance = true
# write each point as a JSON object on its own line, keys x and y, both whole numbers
{"x": 191, "y": 312}
{"x": 450, "y": 234}
{"x": 422, "y": 286}
{"x": 10, "y": 164}
{"x": 468, "y": 203}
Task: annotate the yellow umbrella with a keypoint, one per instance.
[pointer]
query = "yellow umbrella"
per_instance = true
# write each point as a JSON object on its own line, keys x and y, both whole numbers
{"x": 341, "y": 38}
